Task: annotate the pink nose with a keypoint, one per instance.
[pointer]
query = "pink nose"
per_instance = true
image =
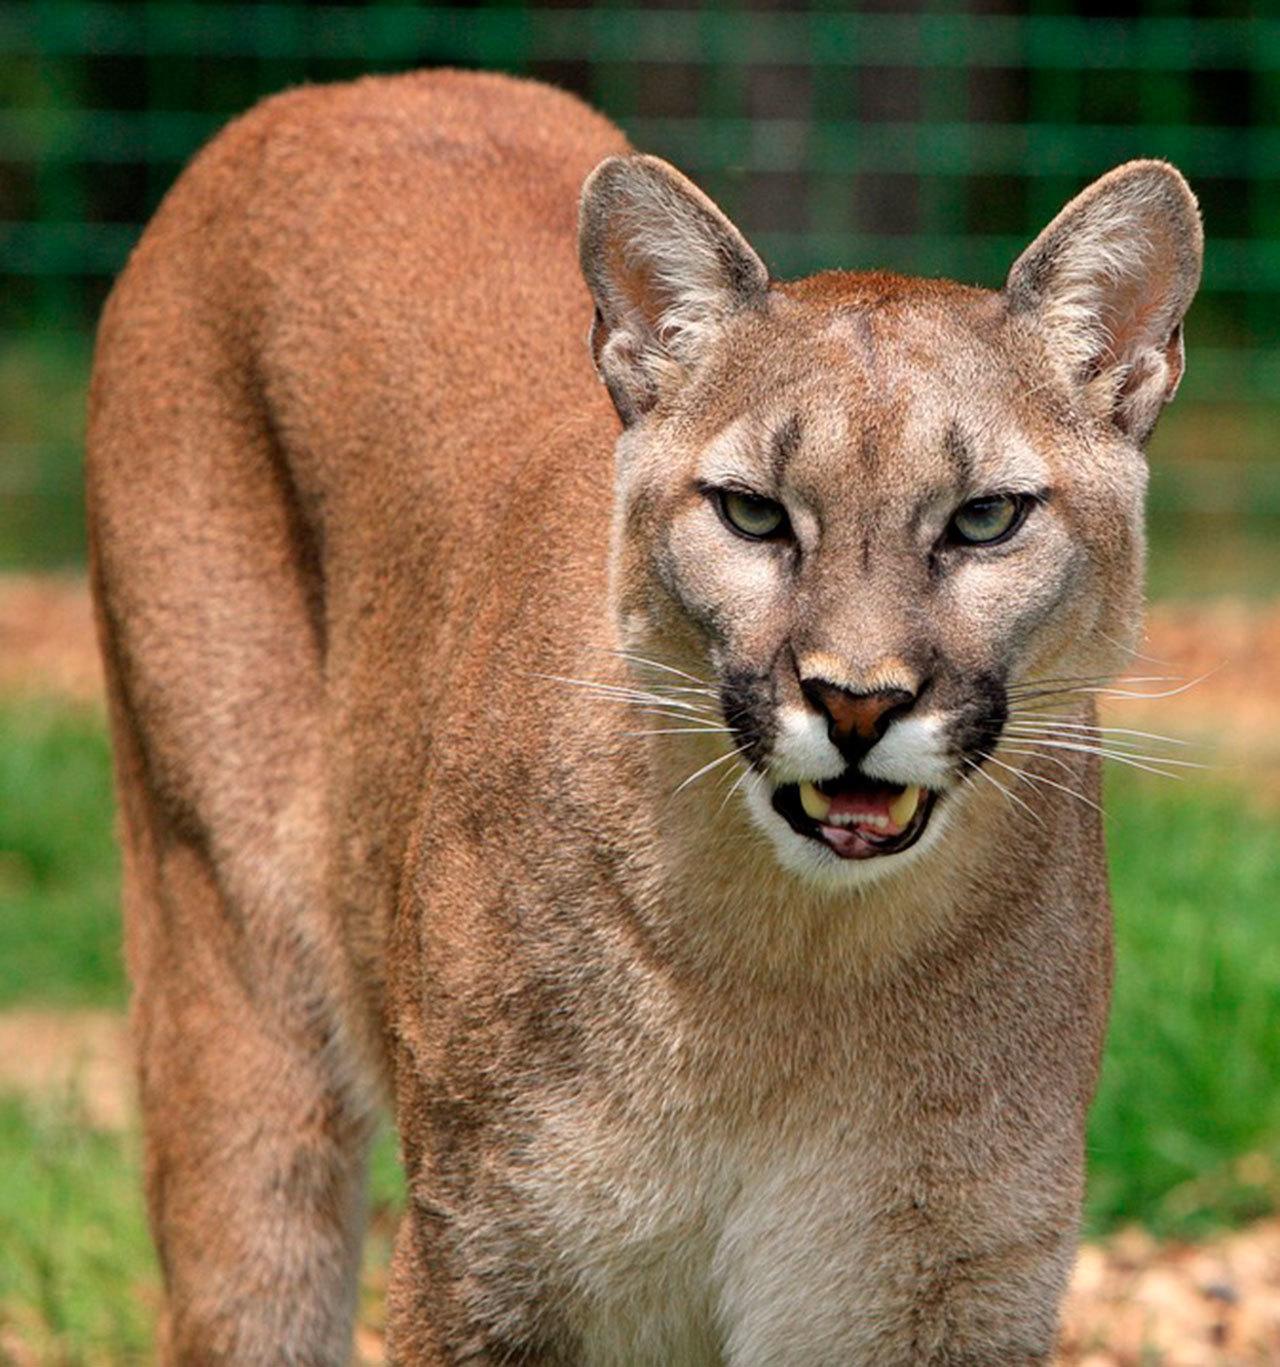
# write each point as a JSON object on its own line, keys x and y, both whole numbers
{"x": 856, "y": 716}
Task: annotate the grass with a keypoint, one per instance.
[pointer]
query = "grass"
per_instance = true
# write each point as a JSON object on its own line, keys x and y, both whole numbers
{"x": 1186, "y": 1128}
{"x": 59, "y": 879}
{"x": 1184, "y": 1136}
{"x": 78, "y": 1281}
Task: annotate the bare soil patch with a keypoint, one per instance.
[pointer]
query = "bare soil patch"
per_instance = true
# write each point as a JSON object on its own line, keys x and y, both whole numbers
{"x": 47, "y": 643}
{"x": 1137, "y": 1303}
{"x": 80, "y": 1057}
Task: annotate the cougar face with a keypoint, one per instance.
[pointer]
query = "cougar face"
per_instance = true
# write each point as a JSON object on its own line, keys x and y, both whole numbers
{"x": 876, "y": 513}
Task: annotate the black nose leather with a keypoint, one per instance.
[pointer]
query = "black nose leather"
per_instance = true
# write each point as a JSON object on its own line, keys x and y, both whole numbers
{"x": 855, "y": 721}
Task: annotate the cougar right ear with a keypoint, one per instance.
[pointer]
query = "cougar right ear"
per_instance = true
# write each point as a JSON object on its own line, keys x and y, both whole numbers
{"x": 666, "y": 269}
{"x": 1107, "y": 284}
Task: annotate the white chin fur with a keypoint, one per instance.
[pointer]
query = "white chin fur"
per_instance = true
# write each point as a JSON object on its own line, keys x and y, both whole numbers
{"x": 813, "y": 861}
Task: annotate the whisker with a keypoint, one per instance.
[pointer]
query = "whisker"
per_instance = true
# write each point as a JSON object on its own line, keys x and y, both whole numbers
{"x": 1135, "y": 762}
{"x": 666, "y": 668}
{"x": 698, "y": 718}
{"x": 1119, "y": 743}
{"x": 746, "y": 773}
{"x": 706, "y": 768}
{"x": 1092, "y": 679}
{"x": 1132, "y": 651}
{"x": 1013, "y": 797}
{"x": 1117, "y": 692}
{"x": 687, "y": 688}
{"x": 1052, "y": 759}
{"x": 1103, "y": 747}
{"x": 1167, "y": 693}
{"x": 684, "y": 731}
{"x": 1040, "y": 778}
{"x": 1062, "y": 723}
{"x": 621, "y": 693}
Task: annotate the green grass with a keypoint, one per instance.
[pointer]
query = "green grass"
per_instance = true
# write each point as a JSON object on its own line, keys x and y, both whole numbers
{"x": 78, "y": 1281}
{"x": 1187, "y": 1122}
{"x": 1185, "y": 1133}
{"x": 59, "y": 880}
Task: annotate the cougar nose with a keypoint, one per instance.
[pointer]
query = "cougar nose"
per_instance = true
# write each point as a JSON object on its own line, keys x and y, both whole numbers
{"x": 855, "y": 721}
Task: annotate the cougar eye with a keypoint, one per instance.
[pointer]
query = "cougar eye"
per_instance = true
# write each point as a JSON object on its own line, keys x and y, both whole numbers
{"x": 985, "y": 521}
{"x": 752, "y": 516}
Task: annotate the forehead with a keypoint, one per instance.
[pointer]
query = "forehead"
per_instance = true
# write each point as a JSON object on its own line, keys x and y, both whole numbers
{"x": 878, "y": 391}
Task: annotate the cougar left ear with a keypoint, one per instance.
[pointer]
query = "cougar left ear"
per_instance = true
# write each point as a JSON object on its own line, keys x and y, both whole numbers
{"x": 1108, "y": 283}
{"x": 666, "y": 269}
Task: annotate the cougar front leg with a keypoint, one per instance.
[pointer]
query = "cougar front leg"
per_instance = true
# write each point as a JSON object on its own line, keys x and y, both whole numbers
{"x": 255, "y": 1154}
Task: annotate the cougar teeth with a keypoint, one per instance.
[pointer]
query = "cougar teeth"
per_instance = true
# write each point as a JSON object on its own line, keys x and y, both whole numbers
{"x": 815, "y": 805}
{"x": 903, "y": 807}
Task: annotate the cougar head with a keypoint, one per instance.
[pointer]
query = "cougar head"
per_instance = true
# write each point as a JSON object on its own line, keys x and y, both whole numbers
{"x": 876, "y": 512}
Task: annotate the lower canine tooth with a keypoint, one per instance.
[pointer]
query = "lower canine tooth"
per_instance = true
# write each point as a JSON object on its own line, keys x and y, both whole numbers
{"x": 903, "y": 807}
{"x": 815, "y": 805}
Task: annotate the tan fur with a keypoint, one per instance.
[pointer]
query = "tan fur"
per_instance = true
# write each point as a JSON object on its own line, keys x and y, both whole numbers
{"x": 672, "y": 1086}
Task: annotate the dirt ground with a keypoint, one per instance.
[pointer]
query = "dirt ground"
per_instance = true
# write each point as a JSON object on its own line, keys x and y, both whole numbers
{"x": 1133, "y": 1302}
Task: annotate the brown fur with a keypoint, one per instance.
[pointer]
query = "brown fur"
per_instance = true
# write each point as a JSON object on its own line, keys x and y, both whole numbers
{"x": 661, "y": 1098}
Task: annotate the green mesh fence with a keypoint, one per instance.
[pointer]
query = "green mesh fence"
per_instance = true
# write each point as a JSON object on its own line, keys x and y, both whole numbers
{"x": 928, "y": 137}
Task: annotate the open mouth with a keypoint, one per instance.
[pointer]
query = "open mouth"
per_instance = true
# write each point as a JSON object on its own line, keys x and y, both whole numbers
{"x": 854, "y": 816}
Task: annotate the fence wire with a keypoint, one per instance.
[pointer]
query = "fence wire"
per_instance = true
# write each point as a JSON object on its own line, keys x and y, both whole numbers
{"x": 932, "y": 136}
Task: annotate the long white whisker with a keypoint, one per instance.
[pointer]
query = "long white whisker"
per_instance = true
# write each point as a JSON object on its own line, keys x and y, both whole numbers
{"x": 623, "y": 694}
{"x": 1132, "y": 761}
{"x": 658, "y": 664}
{"x": 1104, "y": 752}
{"x": 1132, "y": 651}
{"x": 706, "y": 768}
{"x": 1149, "y": 697}
{"x": 1037, "y": 754}
{"x": 684, "y": 731}
{"x": 1061, "y": 723}
{"x": 738, "y": 782}
{"x": 697, "y": 718}
{"x": 687, "y": 688}
{"x": 1066, "y": 679}
{"x": 1013, "y": 797}
{"x": 1040, "y": 778}
{"x": 1080, "y": 737}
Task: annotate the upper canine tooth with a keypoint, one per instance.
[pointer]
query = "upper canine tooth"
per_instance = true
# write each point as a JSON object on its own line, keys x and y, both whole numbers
{"x": 903, "y": 807}
{"x": 815, "y": 805}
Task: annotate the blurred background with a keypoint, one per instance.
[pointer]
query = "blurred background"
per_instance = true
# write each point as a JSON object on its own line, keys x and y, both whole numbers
{"x": 934, "y": 138}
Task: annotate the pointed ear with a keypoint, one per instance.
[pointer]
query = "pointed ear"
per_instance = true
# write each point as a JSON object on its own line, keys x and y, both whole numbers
{"x": 666, "y": 269}
{"x": 1108, "y": 282}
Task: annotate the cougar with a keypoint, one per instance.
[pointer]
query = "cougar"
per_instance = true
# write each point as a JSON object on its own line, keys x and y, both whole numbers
{"x": 674, "y": 795}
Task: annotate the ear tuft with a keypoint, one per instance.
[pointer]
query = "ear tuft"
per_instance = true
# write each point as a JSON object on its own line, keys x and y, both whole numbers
{"x": 666, "y": 269}
{"x": 1108, "y": 283}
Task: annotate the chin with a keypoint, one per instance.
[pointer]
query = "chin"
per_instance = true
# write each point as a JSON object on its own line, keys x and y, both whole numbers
{"x": 801, "y": 849}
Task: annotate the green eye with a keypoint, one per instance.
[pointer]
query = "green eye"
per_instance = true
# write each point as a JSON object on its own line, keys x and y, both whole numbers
{"x": 751, "y": 516}
{"x": 984, "y": 521}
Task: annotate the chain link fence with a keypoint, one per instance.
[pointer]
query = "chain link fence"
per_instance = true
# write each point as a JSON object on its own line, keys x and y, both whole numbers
{"x": 929, "y": 137}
